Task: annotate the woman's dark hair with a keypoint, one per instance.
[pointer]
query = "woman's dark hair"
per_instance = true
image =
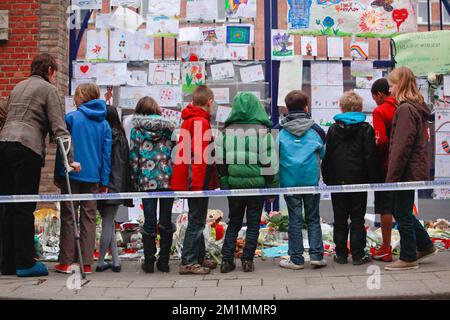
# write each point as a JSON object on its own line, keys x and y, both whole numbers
{"x": 41, "y": 63}
{"x": 113, "y": 118}
{"x": 381, "y": 86}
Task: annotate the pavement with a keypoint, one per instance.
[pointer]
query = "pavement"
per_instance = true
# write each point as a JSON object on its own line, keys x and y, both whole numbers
{"x": 267, "y": 282}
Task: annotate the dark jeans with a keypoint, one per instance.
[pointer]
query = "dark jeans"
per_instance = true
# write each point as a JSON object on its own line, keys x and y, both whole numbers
{"x": 20, "y": 173}
{"x": 295, "y": 205}
{"x": 165, "y": 215}
{"x": 413, "y": 236}
{"x": 194, "y": 250}
{"x": 353, "y": 206}
{"x": 252, "y": 208}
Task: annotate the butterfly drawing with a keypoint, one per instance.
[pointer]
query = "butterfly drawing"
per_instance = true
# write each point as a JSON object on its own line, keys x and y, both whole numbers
{"x": 386, "y": 4}
{"x": 97, "y": 49}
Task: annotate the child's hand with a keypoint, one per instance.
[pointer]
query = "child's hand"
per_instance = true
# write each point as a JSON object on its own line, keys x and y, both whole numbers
{"x": 103, "y": 189}
{"x": 76, "y": 166}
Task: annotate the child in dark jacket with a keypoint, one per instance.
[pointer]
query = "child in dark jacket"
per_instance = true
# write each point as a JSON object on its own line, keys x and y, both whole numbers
{"x": 248, "y": 160}
{"x": 350, "y": 158}
{"x": 151, "y": 170}
{"x": 92, "y": 142}
{"x": 119, "y": 181}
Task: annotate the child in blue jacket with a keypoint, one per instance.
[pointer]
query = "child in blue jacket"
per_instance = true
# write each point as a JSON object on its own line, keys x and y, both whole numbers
{"x": 92, "y": 142}
{"x": 301, "y": 144}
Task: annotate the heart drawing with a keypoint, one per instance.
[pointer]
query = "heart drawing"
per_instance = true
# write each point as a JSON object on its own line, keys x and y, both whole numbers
{"x": 84, "y": 69}
{"x": 399, "y": 16}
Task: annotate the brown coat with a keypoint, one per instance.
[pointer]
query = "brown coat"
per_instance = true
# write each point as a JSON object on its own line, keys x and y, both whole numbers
{"x": 408, "y": 153}
{"x": 34, "y": 110}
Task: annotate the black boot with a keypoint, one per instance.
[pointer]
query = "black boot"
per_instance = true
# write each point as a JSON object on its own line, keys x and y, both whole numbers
{"x": 148, "y": 266}
{"x": 165, "y": 246}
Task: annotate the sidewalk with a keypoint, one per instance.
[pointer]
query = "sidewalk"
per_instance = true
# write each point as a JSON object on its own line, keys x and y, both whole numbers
{"x": 431, "y": 281}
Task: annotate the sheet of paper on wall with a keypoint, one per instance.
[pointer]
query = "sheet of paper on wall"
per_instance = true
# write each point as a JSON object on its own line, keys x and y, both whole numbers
{"x": 240, "y": 9}
{"x": 222, "y": 113}
{"x": 137, "y": 78}
{"x": 362, "y": 69}
{"x": 69, "y": 105}
{"x": 193, "y": 74}
{"x": 111, "y": 74}
{"x": 102, "y": 20}
{"x": 171, "y": 114}
{"x": 308, "y": 46}
{"x": 213, "y": 34}
{"x": 240, "y": 34}
{"x": 126, "y": 19}
{"x": 359, "y": 50}
{"x": 76, "y": 82}
{"x": 126, "y": 3}
{"x": 88, "y": 4}
{"x": 368, "y": 103}
{"x": 97, "y": 45}
{"x": 221, "y": 71}
{"x": 164, "y": 73}
{"x": 367, "y": 82}
{"x": 212, "y": 51}
{"x": 291, "y": 77}
{"x": 256, "y": 93}
{"x": 252, "y": 74}
{"x": 335, "y": 47}
{"x": 190, "y": 34}
{"x": 324, "y": 117}
{"x": 84, "y": 70}
{"x": 442, "y": 166}
{"x": 442, "y": 120}
{"x": 168, "y": 96}
{"x": 327, "y": 73}
{"x": 326, "y": 96}
{"x": 140, "y": 47}
{"x": 221, "y": 95}
{"x": 190, "y": 52}
{"x": 118, "y": 41}
{"x": 162, "y": 26}
{"x": 443, "y": 144}
{"x": 447, "y": 85}
{"x": 107, "y": 94}
{"x": 170, "y": 8}
{"x": 129, "y": 96}
{"x": 236, "y": 53}
{"x": 441, "y": 193}
{"x": 201, "y": 10}
{"x": 282, "y": 45}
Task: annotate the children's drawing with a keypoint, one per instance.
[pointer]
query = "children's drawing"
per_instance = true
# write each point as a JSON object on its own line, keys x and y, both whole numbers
{"x": 193, "y": 75}
{"x": 126, "y": 3}
{"x": 111, "y": 74}
{"x": 335, "y": 47}
{"x": 97, "y": 45}
{"x": 88, "y": 4}
{"x": 240, "y": 8}
{"x": 362, "y": 68}
{"x": 222, "y": 71}
{"x": 162, "y": 26}
{"x": 222, "y": 114}
{"x": 190, "y": 53}
{"x": 368, "y": 103}
{"x": 129, "y": 96}
{"x": 252, "y": 74}
{"x": 212, "y": 51}
{"x": 442, "y": 166}
{"x": 201, "y": 10}
{"x": 190, "y": 34}
{"x": 367, "y": 82}
{"x": 118, "y": 45}
{"x": 170, "y": 8}
{"x": 240, "y": 34}
{"x": 236, "y": 53}
{"x": 107, "y": 94}
{"x": 137, "y": 78}
{"x": 174, "y": 116}
{"x": 359, "y": 50}
{"x": 326, "y": 97}
{"x": 165, "y": 96}
{"x": 221, "y": 95}
{"x": 168, "y": 96}
{"x": 442, "y": 143}
{"x": 365, "y": 18}
{"x": 291, "y": 77}
{"x": 140, "y": 47}
{"x": 102, "y": 20}
{"x": 442, "y": 120}
{"x": 84, "y": 70}
{"x": 126, "y": 19}
{"x": 324, "y": 117}
{"x": 213, "y": 34}
{"x": 309, "y": 46}
{"x": 282, "y": 45}
{"x": 327, "y": 73}
{"x": 164, "y": 73}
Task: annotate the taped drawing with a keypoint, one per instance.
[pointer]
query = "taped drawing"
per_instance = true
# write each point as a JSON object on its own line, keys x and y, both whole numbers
{"x": 97, "y": 45}
{"x": 162, "y": 26}
{"x": 201, "y": 10}
{"x": 164, "y": 73}
{"x": 193, "y": 75}
{"x": 240, "y": 8}
{"x": 282, "y": 45}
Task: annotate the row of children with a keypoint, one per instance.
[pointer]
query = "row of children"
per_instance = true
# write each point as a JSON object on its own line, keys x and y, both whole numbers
{"x": 197, "y": 162}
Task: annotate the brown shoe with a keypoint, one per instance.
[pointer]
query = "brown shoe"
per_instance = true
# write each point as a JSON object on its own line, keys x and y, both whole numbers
{"x": 422, "y": 255}
{"x": 248, "y": 266}
{"x": 401, "y": 265}
{"x": 210, "y": 264}
{"x": 193, "y": 269}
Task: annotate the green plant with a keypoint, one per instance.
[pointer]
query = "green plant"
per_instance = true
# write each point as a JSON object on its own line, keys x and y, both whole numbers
{"x": 278, "y": 222}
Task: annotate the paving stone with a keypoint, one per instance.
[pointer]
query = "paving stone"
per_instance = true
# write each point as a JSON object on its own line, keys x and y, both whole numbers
{"x": 137, "y": 293}
{"x": 172, "y": 293}
{"x": 37, "y": 290}
{"x": 147, "y": 283}
{"x": 273, "y": 290}
{"x": 195, "y": 283}
{"x": 384, "y": 278}
{"x": 108, "y": 284}
{"x": 284, "y": 282}
{"x": 240, "y": 282}
{"x": 414, "y": 276}
{"x": 218, "y": 293}
{"x": 325, "y": 280}
{"x": 84, "y": 291}
{"x": 443, "y": 274}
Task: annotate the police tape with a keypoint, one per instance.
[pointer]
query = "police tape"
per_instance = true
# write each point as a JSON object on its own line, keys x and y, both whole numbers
{"x": 399, "y": 186}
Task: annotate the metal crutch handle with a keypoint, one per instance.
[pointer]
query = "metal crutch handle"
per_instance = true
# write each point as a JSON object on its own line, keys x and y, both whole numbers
{"x": 61, "y": 141}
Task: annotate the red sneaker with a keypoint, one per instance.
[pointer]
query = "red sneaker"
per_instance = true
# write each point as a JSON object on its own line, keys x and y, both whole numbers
{"x": 87, "y": 269}
{"x": 383, "y": 254}
{"x": 63, "y": 268}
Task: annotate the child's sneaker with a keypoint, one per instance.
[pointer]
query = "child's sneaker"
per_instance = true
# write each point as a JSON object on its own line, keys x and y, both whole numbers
{"x": 340, "y": 260}
{"x": 63, "y": 268}
{"x": 38, "y": 270}
{"x": 365, "y": 259}
{"x": 318, "y": 263}
{"x": 288, "y": 264}
{"x": 383, "y": 254}
{"x": 87, "y": 269}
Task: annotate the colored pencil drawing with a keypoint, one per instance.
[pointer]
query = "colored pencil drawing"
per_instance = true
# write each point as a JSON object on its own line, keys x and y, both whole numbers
{"x": 282, "y": 45}
{"x": 359, "y": 50}
{"x": 193, "y": 75}
{"x": 164, "y": 73}
{"x": 162, "y": 26}
{"x": 240, "y": 8}
{"x": 201, "y": 10}
{"x": 240, "y": 34}
{"x": 97, "y": 45}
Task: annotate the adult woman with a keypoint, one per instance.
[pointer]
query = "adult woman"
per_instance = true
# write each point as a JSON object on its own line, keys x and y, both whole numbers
{"x": 408, "y": 161}
{"x": 34, "y": 110}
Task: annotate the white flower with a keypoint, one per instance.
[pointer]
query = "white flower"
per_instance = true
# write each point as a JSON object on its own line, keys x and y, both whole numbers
{"x": 432, "y": 78}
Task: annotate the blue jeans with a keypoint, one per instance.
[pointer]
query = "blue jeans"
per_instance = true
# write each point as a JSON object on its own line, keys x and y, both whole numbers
{"x": 295, "y": 204}
{"x": 194, "y": 242}
{"x": 413, "y": 235}
{"x": 239, "y": 206}
{"x": 165, "y": 215}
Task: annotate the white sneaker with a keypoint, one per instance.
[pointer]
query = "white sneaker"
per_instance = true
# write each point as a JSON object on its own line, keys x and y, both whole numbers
{"x": 288, "y": 264}
{"x": 318, "y": 263}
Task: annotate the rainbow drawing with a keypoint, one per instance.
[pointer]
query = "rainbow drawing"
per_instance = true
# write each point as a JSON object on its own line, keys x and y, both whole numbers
{"x": 358, "y": 52}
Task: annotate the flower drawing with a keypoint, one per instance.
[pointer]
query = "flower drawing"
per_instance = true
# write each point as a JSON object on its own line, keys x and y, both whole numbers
{"x": 327, "y": 26}
{"x": 328, "y": 22}
{"x": 372, "y": 21}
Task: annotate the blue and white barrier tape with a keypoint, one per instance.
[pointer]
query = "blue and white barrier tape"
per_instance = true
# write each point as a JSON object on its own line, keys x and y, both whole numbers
{"x": 420, "y": 185}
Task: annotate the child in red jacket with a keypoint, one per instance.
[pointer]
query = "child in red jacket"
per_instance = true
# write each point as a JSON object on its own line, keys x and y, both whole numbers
{"x": 194, "y": 170}
{"x": 383, "y": 115}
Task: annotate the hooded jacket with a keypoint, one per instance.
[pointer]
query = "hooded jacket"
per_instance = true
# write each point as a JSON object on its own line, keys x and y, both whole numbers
{"x": 351, "y": 156}
{"x": 92, "y": 143}
{"x": 301, "y": 149}
{"x": 151, "y": 152}
{"x": 383, "y": 115}
{"x": 194, "y": 166}
{"x": 408, "y": 153}
{"x": 246, "y": 152}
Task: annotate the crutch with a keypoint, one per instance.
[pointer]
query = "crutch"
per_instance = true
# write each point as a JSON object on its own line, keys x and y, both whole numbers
{"x": 67, "y": 169}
